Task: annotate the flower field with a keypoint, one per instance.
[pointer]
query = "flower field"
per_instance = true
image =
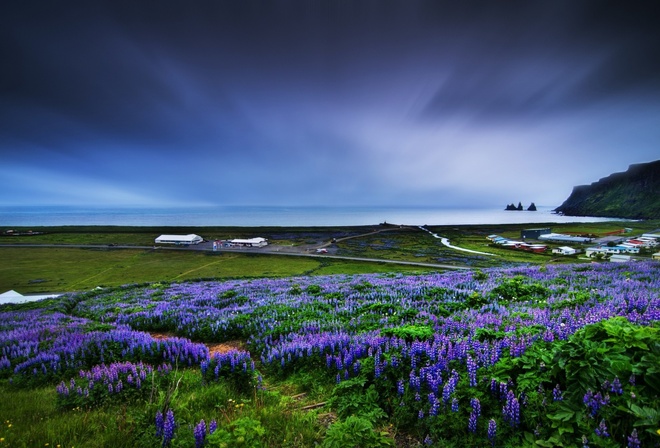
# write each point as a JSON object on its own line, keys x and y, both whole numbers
{"x": 526, "y": 356}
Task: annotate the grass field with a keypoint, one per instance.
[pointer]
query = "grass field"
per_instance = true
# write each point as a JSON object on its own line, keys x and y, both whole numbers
{"x": 33, "y": 270}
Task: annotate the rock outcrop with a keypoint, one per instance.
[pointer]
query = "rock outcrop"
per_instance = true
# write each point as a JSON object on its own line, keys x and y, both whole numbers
{"x": 633, "y": 194}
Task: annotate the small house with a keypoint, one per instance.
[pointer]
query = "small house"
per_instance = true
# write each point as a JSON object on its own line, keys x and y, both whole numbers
{"x": 564, "y": 250}
{"x": 620, "y": 258}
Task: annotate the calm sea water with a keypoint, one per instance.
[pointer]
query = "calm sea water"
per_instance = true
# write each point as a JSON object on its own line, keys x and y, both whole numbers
{"x": 248, "y": 216}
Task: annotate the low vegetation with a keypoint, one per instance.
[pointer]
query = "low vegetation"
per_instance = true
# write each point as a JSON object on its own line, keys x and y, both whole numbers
{"x": 34, "y": 270}
{"x": 559, "y": 355}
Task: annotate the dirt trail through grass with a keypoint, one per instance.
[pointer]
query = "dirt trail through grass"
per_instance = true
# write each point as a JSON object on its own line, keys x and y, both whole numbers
{"x": 204, "y": 266}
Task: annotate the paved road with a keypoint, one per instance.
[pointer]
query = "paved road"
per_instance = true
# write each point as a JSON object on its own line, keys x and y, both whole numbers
{"x": 446, "y": 242}
{"x": 262, "y": 250}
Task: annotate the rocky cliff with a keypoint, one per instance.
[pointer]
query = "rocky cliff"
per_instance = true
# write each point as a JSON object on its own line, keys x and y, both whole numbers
{"x": 633, "y": 194}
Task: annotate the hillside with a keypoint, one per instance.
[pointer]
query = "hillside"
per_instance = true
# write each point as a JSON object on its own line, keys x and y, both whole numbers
{"x": 633, "y": 194}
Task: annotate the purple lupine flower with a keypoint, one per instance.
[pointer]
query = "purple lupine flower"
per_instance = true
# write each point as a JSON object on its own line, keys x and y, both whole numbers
{"x": 428, "y": 440}
{"x": 595, "y": 401}
{"x": 616, "y": 387}
{"x": 159, "y": 424}
{"x": 585, "y": 442}
{"x": 454, "y": 405}
{"x": 472, "y": 371}
{"x": 631, "y": 380}
{"x": 474, "y": 415}
{"x": 601, "y": 431}
{"x": 168, "y": 428}
{"x": 435, "y": 404}
{"x": 511, "y": 410}
{"x": 557, "y": 394}
{"x": 476, "y": 406}
{"x": 200, "y": 434}
{"x": 633, "y": 440}
{"x": 213, "y": 426}
{"x": 472, "y": 422}
{"x": 400, "y": 387}
{"x": 420, "y": 414}
{"x": 492, "y": 431}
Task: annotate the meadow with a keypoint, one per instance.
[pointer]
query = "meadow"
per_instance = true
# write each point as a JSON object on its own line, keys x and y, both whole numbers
{"x": 555, "y": 355}
{"x": 61, "y": 269}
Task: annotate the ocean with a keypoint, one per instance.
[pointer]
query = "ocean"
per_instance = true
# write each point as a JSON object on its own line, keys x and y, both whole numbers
{"x": 252, "y": 216}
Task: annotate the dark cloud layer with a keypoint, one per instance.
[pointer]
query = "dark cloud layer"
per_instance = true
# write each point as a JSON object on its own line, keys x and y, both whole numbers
{"x": 308, "y": 102}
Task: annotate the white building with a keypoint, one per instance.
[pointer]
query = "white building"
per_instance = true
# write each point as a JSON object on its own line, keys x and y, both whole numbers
{"x": 620, "y": 258}
{"x": 630, "y": 248}
{"x": 16, "y": 297}
{"x": 591, "y": 251}
{"x": 250, "y": 242}
{"x": 179, "y": 239}
{"x": 564, "y": 250}
{"x": 560, "y": 237}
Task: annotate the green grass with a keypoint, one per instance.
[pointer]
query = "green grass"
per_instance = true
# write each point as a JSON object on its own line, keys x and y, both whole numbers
{"x": 31, "y": 417}
{"x": 34, "y": 270}
{"x": 145, "y": 236}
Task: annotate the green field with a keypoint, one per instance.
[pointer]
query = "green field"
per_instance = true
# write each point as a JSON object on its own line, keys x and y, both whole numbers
{"x": 33, "y": 270}
{"x": 60, "y": 269}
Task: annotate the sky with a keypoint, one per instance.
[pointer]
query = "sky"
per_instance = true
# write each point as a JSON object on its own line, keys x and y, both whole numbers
{"x": 310, "y": 102}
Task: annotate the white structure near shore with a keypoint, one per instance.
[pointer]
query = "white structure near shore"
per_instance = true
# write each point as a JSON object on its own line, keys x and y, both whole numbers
{"x": 179, "y": 239}
{"x": 250, "y": 242}
{"x": 16, "y": 297}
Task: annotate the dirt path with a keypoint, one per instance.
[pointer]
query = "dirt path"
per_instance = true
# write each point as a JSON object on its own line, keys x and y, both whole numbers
{"x": 214, "y": 347}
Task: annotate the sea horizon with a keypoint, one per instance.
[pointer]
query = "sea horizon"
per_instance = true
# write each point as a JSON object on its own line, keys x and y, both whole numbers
{"x": 274, "y": 216}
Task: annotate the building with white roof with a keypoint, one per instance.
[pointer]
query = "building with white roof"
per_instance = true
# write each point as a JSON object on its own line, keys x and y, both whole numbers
{"x": 250, "y": 242}
{"x": 16, "y": 297}
{"x": 564, "y": 250}
{"x": 179, "y": 239}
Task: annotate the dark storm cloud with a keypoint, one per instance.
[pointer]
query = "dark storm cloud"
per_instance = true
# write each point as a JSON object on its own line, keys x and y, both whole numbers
{"x": 549, "y": 59}
{"x": 318, "y": 101}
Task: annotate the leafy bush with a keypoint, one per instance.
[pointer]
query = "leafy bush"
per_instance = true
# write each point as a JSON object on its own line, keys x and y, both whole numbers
{"x": 243, "y": 432}
{"x": 516, "y": 290}
{"x": 608, "y": 371}
{"x": 355, "y": 432}
{"x": 409, "y": 332}
{"x": 353, "y": 397}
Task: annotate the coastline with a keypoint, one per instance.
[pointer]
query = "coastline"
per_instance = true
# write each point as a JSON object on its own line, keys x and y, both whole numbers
{"x": 271, "y": 216}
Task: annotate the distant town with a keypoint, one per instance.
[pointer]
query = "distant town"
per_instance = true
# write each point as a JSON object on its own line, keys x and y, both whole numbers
{"x": 613, "y": 246}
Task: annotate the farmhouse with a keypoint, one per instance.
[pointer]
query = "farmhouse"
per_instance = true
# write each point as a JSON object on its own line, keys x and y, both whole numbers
{"x": 656, "y": 256}
{"x": 564, "y": 250}
{"x": 592, "y": 251}
{"x": 251, "y": 242}
{"x": 179, "y": 239}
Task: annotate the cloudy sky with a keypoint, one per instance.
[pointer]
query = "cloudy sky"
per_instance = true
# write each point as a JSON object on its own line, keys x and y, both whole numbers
{"x": 310, "y": 102}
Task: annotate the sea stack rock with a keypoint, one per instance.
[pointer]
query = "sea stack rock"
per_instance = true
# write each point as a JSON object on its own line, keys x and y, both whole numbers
{"x": 531, "y": 208}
